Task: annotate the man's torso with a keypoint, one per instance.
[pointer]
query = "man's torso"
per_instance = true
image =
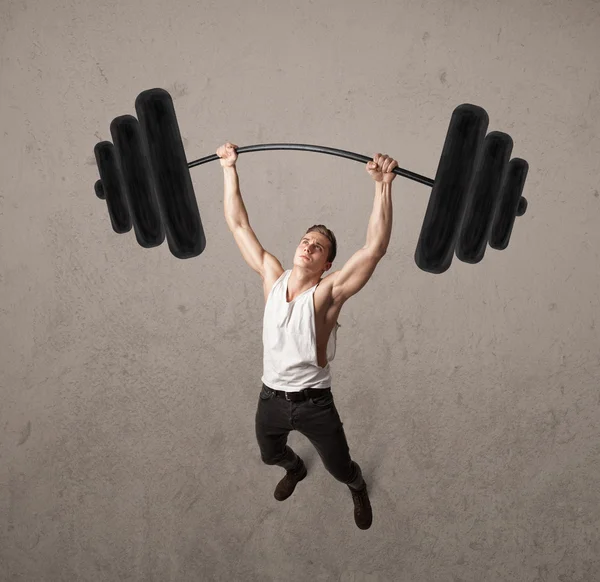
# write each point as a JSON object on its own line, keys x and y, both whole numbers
{"x": 326, "y": 310}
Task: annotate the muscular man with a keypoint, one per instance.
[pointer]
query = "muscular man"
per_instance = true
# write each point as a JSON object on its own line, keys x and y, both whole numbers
{"x": 299, "y": 333}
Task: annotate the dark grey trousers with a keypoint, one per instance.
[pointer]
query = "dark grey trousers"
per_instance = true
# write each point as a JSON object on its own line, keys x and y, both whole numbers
{"x": 318, "y": 420}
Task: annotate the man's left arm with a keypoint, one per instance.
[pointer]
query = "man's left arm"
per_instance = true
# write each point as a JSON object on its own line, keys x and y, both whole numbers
{"x": 379, "y": 230}
{"x": 360, "y": 267}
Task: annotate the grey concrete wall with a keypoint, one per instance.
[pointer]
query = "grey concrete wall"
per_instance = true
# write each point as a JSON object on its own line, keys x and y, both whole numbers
{"x": 129, "y": 379}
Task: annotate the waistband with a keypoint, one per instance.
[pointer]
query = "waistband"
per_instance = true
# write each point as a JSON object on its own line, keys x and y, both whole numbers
{"x": 300, "y": 396}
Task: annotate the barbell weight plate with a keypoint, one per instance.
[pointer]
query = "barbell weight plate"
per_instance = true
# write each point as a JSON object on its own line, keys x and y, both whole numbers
{"x": 137, "y": 185}
{"x": 483, "y": 199}
{"x": 110, "y": 178}
{"x": 509, "y": 203}
{"x": 170, "y": 173}
{"x": 445, "y": 210}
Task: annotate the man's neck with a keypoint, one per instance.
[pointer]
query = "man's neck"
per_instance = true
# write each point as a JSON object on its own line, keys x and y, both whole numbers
{"x": 301, "y": 281}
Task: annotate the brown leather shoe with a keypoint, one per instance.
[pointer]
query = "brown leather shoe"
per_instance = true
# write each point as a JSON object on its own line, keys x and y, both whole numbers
{"x": 286, "y": 486}
{"x": 363, "y": 514}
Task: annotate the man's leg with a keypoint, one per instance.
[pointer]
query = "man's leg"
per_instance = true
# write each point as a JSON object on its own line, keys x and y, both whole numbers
{"x": 319, "y": 421}
{"x": 272, "y": 425}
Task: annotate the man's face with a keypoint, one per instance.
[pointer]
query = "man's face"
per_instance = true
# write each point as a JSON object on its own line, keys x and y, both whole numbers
{"x": 312, "y": 253}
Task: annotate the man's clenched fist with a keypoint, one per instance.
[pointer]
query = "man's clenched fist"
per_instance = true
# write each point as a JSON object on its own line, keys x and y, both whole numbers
{"x": 228, "y": 155}
{"x": 381, "y": 168}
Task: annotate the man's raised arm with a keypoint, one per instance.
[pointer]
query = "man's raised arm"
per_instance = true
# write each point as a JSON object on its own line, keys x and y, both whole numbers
{"x": 234, "y": 208}
{"x": 380, "y": 224}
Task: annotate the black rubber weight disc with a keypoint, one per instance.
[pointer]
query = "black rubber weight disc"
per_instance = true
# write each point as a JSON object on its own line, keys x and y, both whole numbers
{"x": 170, "y": 172}
{"x": 137, "y": 183}
{"x": 112, "y": 187}
{"x": 483, "y": 199}
{"x": 445, "y": 210}
{"x": 510, "y": 204}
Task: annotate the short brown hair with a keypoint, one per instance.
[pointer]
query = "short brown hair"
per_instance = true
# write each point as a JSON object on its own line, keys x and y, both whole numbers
{"x": 329, "y": 234}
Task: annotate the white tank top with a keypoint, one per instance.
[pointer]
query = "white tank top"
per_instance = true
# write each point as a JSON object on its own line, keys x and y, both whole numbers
{"x": 290, "y": 341}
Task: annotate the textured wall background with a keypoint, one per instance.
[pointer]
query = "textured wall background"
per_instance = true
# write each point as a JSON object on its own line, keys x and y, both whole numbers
{"x": 129, "y": 379}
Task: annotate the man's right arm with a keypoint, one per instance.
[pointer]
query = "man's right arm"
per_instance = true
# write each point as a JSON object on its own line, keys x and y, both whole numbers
{"x": 237, "y": 217}
{"x": 235, "y": 210}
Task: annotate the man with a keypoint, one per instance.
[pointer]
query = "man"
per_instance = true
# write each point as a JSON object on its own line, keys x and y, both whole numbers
{"x": 301, "y": 311}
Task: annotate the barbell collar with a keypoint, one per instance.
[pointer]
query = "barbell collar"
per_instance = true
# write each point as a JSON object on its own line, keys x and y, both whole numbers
{"x": 318, "y": 149}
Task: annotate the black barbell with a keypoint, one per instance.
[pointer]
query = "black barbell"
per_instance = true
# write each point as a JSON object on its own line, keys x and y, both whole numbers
{"x": 475, "y": 197}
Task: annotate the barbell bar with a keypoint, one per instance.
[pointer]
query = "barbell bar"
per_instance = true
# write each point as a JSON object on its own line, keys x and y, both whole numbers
{"x": 317, "y": 149}
{"x": 145, "y": 180}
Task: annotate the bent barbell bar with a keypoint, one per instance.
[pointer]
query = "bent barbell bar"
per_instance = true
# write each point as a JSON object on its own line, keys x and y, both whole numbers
{"x": 333, "y": 152}
{"x": 318, "y": 149}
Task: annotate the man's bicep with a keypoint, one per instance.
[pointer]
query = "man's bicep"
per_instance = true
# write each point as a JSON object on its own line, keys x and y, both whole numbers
{"x": 355, "y": 274}
{"x": 253, "y": 252}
